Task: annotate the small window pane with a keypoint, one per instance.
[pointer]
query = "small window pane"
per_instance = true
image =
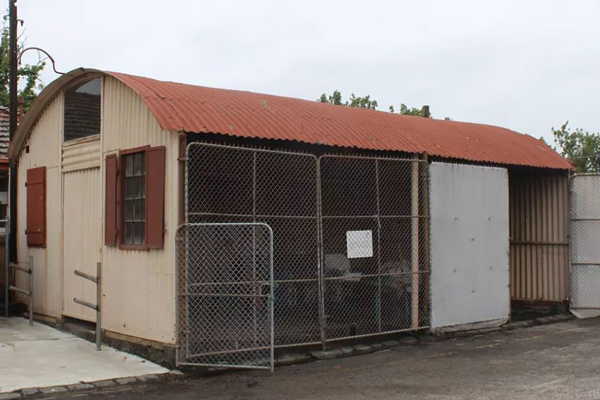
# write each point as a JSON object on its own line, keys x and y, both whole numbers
{"x": 135, "y": 199}
{"x": 138, "y": 165}
{"x": 128, "y": 188}
{"x": 137, "y": 236}
{"x": 129, "y": 233}
{"x": 137, "y": 187}
{"x": 138, "y": 210}
{"x": 128, "y": 211}
{"x": 128, "y": 166}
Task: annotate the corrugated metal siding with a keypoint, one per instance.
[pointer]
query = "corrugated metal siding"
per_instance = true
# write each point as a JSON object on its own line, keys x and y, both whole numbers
{"x": 82, "y": 155}
{"x": 82, "y": 245}
{"x": 138, "y": 286}
{"x": 44, "y": 150}
{"x": 139, "y": 297}
{"x": 539, "y": 212}
{"x": 199, "y": 109}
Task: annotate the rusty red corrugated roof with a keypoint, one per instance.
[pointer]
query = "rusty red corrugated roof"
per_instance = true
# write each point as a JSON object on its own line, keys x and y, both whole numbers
{"x": 198, "y": 109}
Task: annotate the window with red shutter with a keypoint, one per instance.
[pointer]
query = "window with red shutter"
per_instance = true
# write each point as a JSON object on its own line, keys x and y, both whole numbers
{"x": 36, "y": 207}
{"x": 135, "y": 198}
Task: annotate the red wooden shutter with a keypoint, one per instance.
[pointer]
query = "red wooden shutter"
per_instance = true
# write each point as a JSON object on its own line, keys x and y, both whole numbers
{"x": 36, "y": 207}
{"x": 110, "y": 201}
{"x": 155, "y": 197}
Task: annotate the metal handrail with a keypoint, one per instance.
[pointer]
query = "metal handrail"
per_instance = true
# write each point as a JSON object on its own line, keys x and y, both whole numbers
{"x": 97, "y": 280}
{"x": 28, "y": 293}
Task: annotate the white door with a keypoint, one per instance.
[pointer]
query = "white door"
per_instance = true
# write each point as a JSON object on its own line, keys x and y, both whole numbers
{"x": 469, "y": 247}
{"x": 82, "y": 202}
{"x": 585, "y": 245}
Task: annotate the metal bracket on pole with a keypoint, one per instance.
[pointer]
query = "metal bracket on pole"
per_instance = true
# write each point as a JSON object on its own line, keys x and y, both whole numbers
{"x": 97, "y": 280}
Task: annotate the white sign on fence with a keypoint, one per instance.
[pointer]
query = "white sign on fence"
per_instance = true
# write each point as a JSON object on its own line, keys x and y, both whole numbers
{"x": 359, "y": 244}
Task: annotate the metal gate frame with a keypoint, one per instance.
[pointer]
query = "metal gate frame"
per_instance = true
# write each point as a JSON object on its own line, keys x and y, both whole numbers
{"x": 301, "y": 275}
{"x": 591, "y": 250}
{"x": 183, "y": 298}
{"x": 416, "y": 237}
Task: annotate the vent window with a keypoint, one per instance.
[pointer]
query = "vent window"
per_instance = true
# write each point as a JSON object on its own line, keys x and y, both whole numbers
{"x": 82, "y": 110}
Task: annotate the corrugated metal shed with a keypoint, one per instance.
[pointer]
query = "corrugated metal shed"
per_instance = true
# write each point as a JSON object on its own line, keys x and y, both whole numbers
{"x": 198, "y": 109}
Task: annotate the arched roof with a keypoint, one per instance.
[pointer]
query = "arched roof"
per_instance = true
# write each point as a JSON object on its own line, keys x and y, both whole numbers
{"x": 197, "y": 109}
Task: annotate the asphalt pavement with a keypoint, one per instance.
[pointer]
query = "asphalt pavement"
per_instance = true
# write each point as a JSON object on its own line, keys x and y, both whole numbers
{"x": 556, "y": 361}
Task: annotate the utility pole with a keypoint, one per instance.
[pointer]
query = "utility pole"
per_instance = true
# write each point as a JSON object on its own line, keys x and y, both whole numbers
{"x": 13, "y": 110}
{"x": 12, "y": 13}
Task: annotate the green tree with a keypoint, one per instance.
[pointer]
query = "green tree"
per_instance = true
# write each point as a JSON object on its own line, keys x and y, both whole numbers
{"x": 362, "y": 102}
{"x": 355, "y": 101}
{"x": 366, "y": 102}
{"x": 29, "y": 75}
{"x": 404, "y": 110}
{"x": 581, "y": 147}
{"x": 335, "y": 98}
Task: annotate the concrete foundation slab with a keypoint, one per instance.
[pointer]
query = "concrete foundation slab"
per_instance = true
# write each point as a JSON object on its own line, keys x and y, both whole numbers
{"x": 40, "y": 356}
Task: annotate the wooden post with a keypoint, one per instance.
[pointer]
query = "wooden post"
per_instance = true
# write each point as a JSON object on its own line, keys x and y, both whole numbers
{"x": 415, "y": 241}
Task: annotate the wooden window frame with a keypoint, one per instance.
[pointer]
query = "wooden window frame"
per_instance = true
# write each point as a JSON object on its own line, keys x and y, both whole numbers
{"x": 121, "y": 200}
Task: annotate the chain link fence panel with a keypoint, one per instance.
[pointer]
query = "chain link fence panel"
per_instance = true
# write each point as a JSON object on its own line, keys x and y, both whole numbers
{"x": 236, "y": 184}
{"x": 585, "y": 247}
{"x": 375, "y": 227}
{"x": 225, "y": 289}
{"x": 370, "y": 215}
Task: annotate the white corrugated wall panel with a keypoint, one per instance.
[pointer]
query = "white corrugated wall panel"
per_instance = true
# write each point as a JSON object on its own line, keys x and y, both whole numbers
{"x": 469, "y": 246}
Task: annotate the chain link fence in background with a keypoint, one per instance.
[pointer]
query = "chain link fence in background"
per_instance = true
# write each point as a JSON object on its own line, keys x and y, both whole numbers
{"x": 585, "y": 246}
{"x": 224, "y": 274}
{"x": 370, "y": 214}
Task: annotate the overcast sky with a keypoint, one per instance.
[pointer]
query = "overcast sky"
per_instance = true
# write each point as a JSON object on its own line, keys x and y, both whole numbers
{"x": 525, "y": 65}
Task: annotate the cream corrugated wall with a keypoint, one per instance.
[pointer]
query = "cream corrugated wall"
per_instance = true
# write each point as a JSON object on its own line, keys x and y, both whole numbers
{"x": 44, "y": 150}
{"x": 139, "y": 285}
{"x": 81, "y": 231}
{"x": 539, "y": 231}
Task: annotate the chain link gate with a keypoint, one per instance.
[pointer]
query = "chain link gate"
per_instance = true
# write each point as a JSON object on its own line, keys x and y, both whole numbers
{"x": 278, "y": 188}
{"x": 375, "y": 227}
{"x": 369, "y": 214}
{"x": 585, "y": 242}
{"x": 225, "y": 295}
